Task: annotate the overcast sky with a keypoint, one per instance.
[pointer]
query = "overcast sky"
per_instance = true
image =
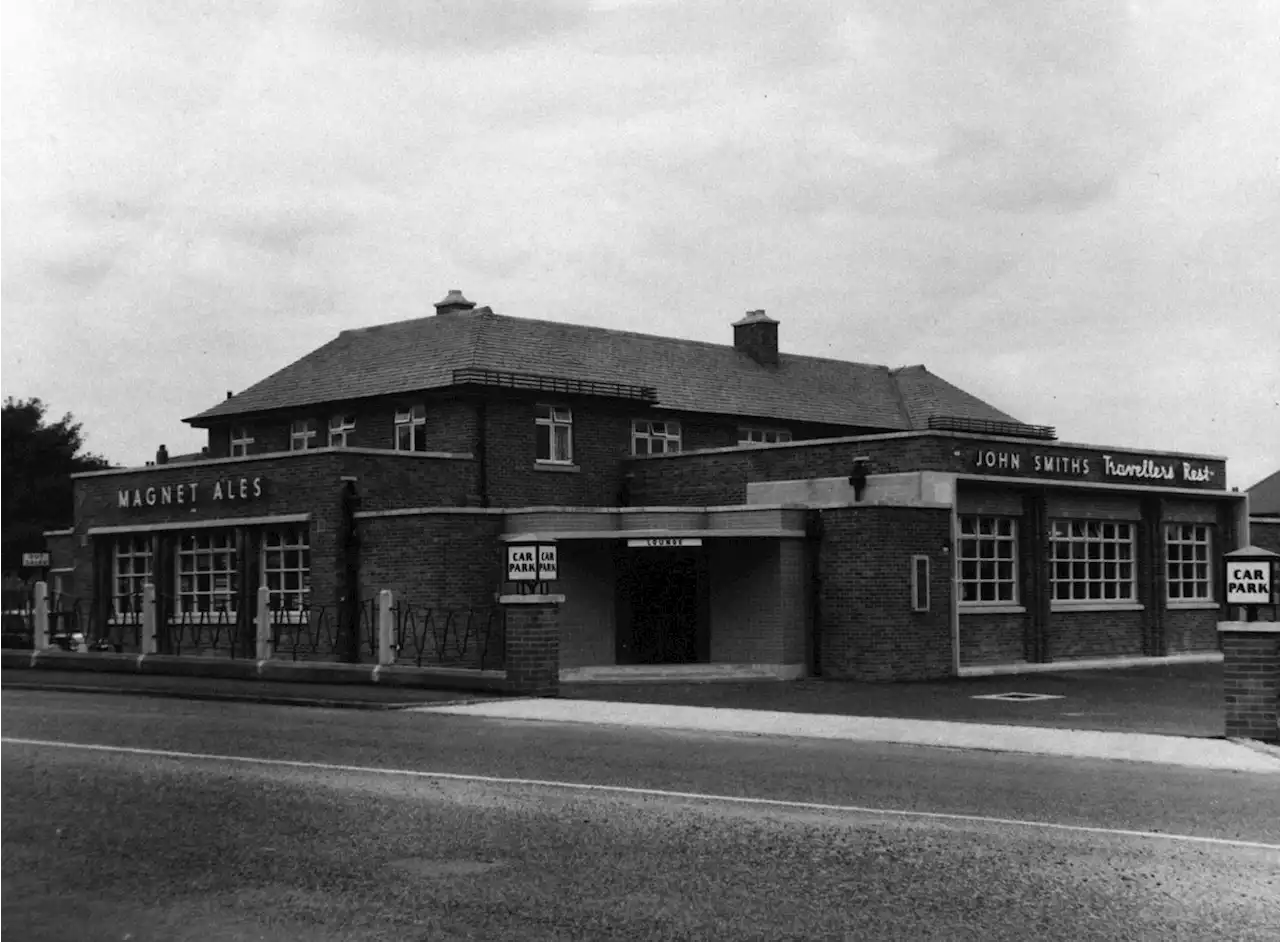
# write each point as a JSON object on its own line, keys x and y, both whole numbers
{"x": 1071, "y": 209}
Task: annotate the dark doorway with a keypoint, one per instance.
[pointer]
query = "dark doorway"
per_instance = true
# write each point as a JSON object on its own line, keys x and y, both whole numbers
{"x": 662, "y": 603}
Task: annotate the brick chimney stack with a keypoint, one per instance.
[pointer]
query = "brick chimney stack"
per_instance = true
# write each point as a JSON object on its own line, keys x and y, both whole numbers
{"x": 756, "y": 335}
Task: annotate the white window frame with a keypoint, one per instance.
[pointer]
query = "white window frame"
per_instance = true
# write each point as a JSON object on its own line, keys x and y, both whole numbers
{"x": 987, "y": 560}
{"x": 655, "y": 437}
{"x": 1188, "y": 569}
{"x": 340, "y": 428}
{"x": 302, "y": 434}
{"x": 1093, "y": 553}
{"x": 134, "y": 550}
{"x": 752, "y": 435}
{"x": 215, "y": 546}
{"x": 413, "y": 421}
{"x": 286, "y": 552}
{"x": 554, "y": 419}
{"x": 241, "y": 439}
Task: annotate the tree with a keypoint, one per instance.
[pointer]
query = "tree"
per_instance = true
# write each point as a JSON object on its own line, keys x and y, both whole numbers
{"x": 39, "y": 458}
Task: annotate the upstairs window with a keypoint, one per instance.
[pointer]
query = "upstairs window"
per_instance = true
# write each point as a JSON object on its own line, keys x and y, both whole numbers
{"x": 762, "y": 436}
{"x": 302, "y": 435}
{"x": 411, "y": 429}
{"x": 554, "y": 435}
{"x": 654, "y": 438}
{"x": 341, "y": 427}
{"x": 240, "y": 441}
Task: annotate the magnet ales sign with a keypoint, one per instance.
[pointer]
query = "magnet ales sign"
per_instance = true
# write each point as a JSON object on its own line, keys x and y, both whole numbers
{"x": 1096, "y": 466}
{"x": 192, "y": 493}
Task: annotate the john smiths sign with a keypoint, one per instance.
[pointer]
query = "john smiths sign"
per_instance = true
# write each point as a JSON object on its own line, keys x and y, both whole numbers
{"x": 193, "y": 493}
{"x": 1097, "y": 466}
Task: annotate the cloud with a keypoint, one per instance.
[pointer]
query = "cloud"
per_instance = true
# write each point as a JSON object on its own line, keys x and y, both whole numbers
{"x": 449, "y": 29}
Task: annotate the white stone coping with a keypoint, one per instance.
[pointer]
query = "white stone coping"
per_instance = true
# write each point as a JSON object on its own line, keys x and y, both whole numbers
{"x": 1251, "y": 627}
{"x": 276, "y": 455}
{"x": 69, "y": 531}
{"x": 683, "y": 534}
{"x": 201, "y": 524}
{"x": 533, "y": 599}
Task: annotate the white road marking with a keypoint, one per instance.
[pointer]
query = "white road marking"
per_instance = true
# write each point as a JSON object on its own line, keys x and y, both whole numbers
{"x": 643, "y": 792}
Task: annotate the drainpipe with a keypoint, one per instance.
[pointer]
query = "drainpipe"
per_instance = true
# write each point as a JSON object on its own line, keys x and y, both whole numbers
{"x": 813, "y": 541}
{"x": 482, "y": 442}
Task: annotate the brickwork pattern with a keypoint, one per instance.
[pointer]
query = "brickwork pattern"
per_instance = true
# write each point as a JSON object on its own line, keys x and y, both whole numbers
{"x": 759, "y": 601}
{"x": 533, "y": 650}
{"x": 1074, "y": 635}
{"x": 587, "y": 615}
{"x": 992, "y": 638}
{"x": 868, "y": 630}
{"x": 1265, "y": 535}
{"x": 1191, "y": 631}
{"x": 1251, "y": 684}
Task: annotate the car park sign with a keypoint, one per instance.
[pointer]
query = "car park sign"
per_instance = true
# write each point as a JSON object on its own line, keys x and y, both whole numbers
{"x": 35, "y": 560}
{"x": 1250, "y": 581}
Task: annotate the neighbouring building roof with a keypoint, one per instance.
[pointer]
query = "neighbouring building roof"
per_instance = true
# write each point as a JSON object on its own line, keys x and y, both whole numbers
{"x": 686, "y": 375}
{"x": 1264, "y": 497}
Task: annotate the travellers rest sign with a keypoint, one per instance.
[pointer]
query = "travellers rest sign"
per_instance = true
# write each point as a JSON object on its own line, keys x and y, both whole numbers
{"x": 234, "y": 490}
{"x": 1157, "y": 470}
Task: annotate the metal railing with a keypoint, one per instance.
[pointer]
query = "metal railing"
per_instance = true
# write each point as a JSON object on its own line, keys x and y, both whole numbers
{"x": 325, "y": 632}
{"x": 436, "y": 636}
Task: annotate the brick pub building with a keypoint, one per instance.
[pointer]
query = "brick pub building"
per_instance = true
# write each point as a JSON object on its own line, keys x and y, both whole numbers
{"x": 720, "y": 508}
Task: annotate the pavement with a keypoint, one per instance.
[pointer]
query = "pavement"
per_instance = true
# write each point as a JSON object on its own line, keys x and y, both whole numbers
{"x": 1170, "y": 714}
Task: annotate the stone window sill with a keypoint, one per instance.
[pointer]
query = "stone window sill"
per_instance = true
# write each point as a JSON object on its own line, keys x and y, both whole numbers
{"x": 970, "y": 608}
{"x": 1096, "y": 607}
{"x": 559, "y": 468}
{"x": 1192, "y": 605}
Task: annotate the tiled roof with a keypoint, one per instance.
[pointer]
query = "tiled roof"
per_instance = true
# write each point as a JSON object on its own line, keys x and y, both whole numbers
{"x": 688, "y": 375}
{"x": 1264, "y": 497}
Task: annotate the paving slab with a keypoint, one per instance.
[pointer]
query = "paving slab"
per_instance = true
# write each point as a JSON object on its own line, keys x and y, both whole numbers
{"x": 1094, "y": 744}
{"x": 1173, "y": 699}
{"x": 346, "y": 696}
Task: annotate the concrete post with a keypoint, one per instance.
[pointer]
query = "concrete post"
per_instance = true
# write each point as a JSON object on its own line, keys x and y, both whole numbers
{"x": 1251, "y": 679}
{"x": 147, "y": 640}
{"x": 533, "y": 644}
{"x": 40, "y": 617}
{"x": 262, "y": 620}
{"x": 386, "y": 629}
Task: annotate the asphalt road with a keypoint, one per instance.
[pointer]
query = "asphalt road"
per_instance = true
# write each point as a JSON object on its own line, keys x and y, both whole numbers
{"x": 241, "y": 821}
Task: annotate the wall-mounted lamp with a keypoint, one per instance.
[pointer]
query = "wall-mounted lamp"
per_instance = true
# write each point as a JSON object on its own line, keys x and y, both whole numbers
{"x": 858, "y": 476}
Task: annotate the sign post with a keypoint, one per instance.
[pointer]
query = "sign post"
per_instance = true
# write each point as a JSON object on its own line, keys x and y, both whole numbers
{"x": 531, "y": 566}
{"x": 1250, "y": 575}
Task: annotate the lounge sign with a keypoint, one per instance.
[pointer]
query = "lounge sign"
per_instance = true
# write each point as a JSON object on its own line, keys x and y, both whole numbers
{"x": 192, "y": 493}
{"x": 1095, "y": 466}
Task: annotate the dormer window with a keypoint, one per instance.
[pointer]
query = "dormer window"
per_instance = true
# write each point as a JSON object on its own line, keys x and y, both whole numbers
{"x": 411, "y": 429}
{"x": 302, "y": 435}
{"x": 240, "y": 441}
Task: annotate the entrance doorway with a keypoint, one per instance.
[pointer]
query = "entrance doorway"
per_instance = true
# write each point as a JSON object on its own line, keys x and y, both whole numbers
{"x": 662, "y": 606}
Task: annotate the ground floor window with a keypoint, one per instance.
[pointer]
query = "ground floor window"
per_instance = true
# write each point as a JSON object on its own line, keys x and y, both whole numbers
{"x": 988, "y": 558}
{"x": 286, "y": 568}
{"x": 130, "y": 571}
{"x": 208, "y": 579}
{"x": 1093, "y": 561}
{"x": 1187, "y": 562}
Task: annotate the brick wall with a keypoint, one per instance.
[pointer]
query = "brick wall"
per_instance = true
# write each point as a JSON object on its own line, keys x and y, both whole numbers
{"x": 721, "y": 478}
{"x": 868, "y": 630}
{"x": 1095, "y": 634}
{"x": 992, "y": 638}
{"x": 1187, "y": 631}
{"x": 1265, "y": 534}
{"x": 435, "y": 560}
{"x": 533, "y": 649}
{"x": 587, "y": 615}
{"x": 450, "y": 424}
{"x": 759, "y": 601}
{"x": 1251, "y": 683}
